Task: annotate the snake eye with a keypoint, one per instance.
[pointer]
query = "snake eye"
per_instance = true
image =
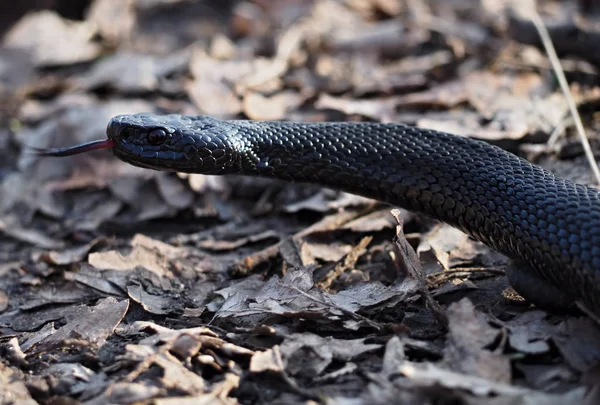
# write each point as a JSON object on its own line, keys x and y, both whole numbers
{"x": 157, "y": 137}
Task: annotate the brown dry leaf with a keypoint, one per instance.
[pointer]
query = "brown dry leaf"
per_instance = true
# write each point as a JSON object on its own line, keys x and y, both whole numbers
{"x": 446, "y": 95}
{"x": 545, "y": 376}
{"x": 163, "y": 343}
{"x": 326, "y": 200}
{"x": 347, "y": 263}
{"x": 208, "y": 399}
{"x": 430, "y": 375}
{"x": 268, "y": 360}
{"x": 327, "y": 224}
{"x": 331, "y": 75}
{"x": 387, "y": 38}
{"x": 153, "y": 303}
{"x": 71, "y": 255}
{"x": 382, "y": 109}
{"x": 38, "y": 336}
{"x": 444, "y": 248}
{"x": 370, "y": 76}
{"x": 166, "y": 250}
{"x": 295, "y": 253}
{"x": 128, "y": 392}
{"x": 176, "y": 376}
{"x": 441, "y": 241}
{"x": 563, "y": 22}
{"x": 275, "y": 296}
{"x": 328, "y": 252}
{"x": 33, "y": 111}
{"x": 222, "y": 47}
{"x": 578, "y": 340}
{"x": 94, "y": 326}
{"x": 138, "y": 257}
{"x": 373, "y": 222}
{"x": 76, "y": 376}
{"x": 161, "y": 26}
{"x": 212, "y": 88}
{"x": 390, "y": 7}
{"x": 469, "y": 335}
{"x": 394, "y": 356}
{"x": 319, "y": 202}
{"x": 144, "y": 274}
{"x": 148, "y": 253}
{"x": 65, "y": 293}
{"x": 174, "y": 191}
{"x": 271, "y": 108}
{"x": 231, "y": 235}
{"x": 52, "y": 39}
{"x": 375, "y": 295}
{"x": 16, "y": 70}
{"x": 143, "y": 196}
{"x": 407, "y": 260}
{"x": 162, "y": 334}
{"x": 224, "y": 245}
{"x": 529, "y": 332}
{"x": 329, "y": 16}
{"x": 14, "y": 390}
{"x": 307, "y": 355}
{"x": 95, "y": 173}
{"x": 27, "y": 321}
{"x": 269, "y": 75}
{"x": 3, "y": 301}
{"x": 357, "y": 297}
{"x": 100, "y": 281}
{"x": 10, "y": 227}
{"x": 222, "y": 391}
{"x": 294, "y": 294}
{"x": 123, "y": 72}
{"x": 502, "y": 100}
{"x": 114, "y": 19}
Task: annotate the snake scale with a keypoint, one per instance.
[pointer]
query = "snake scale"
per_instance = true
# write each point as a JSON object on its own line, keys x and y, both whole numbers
{"x": 548, "y": 225}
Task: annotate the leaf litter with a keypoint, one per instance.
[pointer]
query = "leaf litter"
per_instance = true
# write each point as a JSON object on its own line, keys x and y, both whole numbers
{"x": 121, "y": 285}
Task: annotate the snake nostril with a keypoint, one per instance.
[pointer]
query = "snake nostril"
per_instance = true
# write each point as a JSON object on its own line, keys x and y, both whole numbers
{"x": 126, "y": 134}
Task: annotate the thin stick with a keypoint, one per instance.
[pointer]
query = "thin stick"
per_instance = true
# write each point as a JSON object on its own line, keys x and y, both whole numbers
{"x": 564, "y": 85}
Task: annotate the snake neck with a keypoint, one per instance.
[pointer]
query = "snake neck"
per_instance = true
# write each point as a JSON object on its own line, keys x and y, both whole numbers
{"x": 424, "y": 171}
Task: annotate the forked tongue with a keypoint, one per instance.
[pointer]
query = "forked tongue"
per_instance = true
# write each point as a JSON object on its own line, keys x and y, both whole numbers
{"x": 75, "y": 150}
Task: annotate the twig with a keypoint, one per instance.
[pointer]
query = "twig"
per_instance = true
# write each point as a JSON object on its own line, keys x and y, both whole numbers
{"x": 564, "y": 85}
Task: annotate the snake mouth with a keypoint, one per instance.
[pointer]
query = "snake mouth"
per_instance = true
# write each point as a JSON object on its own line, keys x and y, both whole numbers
{"x": 136, "y": 154}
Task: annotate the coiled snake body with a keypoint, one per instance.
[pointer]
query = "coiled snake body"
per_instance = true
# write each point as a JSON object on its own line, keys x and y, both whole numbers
{"x": 550, "y": 226}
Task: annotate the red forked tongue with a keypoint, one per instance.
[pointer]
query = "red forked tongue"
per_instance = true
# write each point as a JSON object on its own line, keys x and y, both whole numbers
{"x": 75, "y": 150}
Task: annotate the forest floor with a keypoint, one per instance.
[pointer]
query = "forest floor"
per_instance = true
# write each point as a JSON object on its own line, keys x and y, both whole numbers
{"x": 121, "y": 285}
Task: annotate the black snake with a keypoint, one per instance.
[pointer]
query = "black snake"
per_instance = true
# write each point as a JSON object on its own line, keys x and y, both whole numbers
{"x": 550, "y": 226}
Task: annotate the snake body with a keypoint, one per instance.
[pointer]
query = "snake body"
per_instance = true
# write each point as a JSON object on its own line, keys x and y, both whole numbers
{"x": 550, "y": 226}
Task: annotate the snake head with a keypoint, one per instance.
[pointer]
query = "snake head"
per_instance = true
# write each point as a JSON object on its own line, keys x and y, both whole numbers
{"x": 172, "y": 143}
{"x": 197, "y": 144}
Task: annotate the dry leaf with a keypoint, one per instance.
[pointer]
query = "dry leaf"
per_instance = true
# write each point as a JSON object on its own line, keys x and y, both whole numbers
{"x": 52, "y": 39}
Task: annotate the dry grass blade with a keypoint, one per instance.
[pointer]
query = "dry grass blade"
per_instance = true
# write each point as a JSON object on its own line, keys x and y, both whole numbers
{"x": 564, "y": 85}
